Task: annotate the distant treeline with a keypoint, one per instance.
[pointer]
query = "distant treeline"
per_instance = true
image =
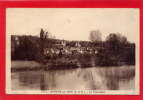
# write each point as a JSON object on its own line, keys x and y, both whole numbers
{"x": 114, "y": 51}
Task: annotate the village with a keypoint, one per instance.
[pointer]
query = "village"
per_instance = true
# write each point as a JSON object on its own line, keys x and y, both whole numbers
{"x": 65, "y": 53}
{"x": 55, "y": 47}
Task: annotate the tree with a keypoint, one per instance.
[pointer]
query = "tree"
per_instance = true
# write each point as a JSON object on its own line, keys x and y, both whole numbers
{"x": 116, "y": 38}
{"x": 26, "y": 49}
{"x": 119, "y": 50}
{"x": 95, "y": 36}
{"x": 42, "y": 34}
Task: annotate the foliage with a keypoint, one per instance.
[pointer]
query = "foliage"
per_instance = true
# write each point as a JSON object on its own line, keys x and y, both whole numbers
{"x": 27, "y": 49}
{"x": 95, "y": 36}
{"x": 115, "y": 51}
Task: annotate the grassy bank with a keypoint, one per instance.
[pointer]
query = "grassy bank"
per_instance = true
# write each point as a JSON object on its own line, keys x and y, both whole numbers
{"x": 33, "y": 65}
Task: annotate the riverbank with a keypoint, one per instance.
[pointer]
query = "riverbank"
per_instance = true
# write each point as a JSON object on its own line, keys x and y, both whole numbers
{"x": 35, "y": 66}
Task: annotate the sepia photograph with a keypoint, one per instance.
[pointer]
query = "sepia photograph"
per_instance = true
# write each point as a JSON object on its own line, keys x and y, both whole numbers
{"x": 72, "y": 51}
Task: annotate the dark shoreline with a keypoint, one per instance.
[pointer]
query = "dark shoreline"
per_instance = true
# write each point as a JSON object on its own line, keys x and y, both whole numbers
{"x": 56, "y": 67}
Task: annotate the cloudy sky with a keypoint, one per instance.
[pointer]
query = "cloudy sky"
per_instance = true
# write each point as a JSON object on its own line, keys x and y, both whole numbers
{"x": 73, "y": 23}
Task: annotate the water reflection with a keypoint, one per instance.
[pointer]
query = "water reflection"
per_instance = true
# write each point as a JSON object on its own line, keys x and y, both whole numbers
{"x": 97, "y": 78}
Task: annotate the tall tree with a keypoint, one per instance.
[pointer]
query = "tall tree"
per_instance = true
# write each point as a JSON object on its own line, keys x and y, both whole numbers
{"x": 95, "y": 36}
{"x": 42, "y": 34}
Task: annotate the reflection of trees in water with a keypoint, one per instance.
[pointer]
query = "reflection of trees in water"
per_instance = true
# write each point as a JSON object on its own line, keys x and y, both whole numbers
{"x": 113, "y": 83}
{"x": 50, "y": 79}
{"x": 88, "y": 77}
{"x": 42, "y": 81}
{"x": 82, "y": 78}
{"x": 29, "y": 78}
{"x": 113, "y": 76}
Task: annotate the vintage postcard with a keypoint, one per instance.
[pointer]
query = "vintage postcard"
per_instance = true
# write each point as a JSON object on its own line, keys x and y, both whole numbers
{"x": 72, "y": 51}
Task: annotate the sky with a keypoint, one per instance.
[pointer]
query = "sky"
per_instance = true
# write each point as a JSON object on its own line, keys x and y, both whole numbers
{"x": 73, "y": 23}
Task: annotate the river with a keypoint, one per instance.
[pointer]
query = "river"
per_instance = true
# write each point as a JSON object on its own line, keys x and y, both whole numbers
{"x": 94, "y": 78}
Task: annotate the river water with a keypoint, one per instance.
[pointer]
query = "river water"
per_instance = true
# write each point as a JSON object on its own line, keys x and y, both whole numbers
{"x": 94, "y": 78}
